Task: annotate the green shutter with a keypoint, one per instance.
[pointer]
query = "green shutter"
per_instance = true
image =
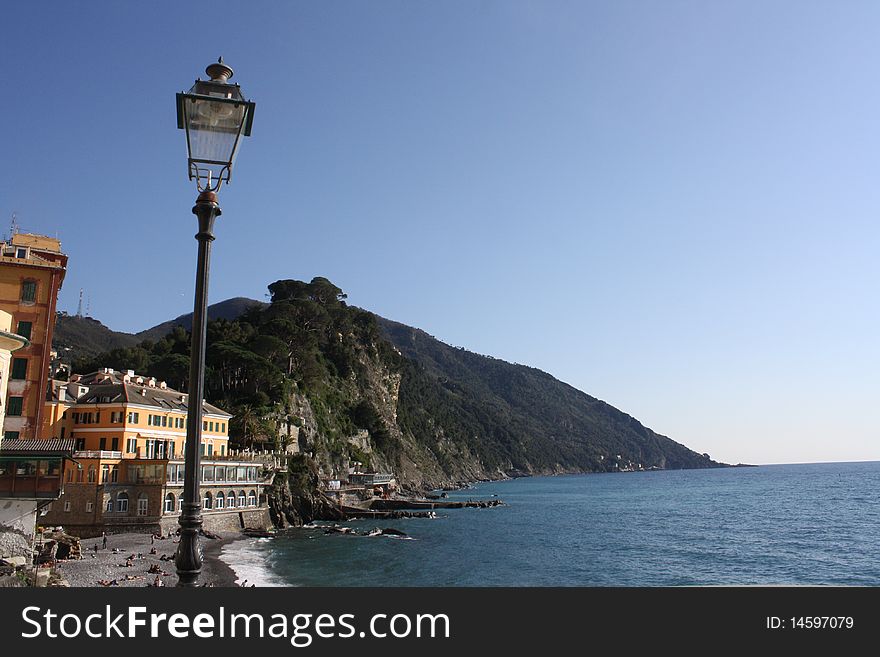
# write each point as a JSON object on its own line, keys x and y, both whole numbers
{"x": 14, "y": 406}
{"x": 24, "y": 329}
{"x": 19, "y": 368}
{"x": 29, "y": 291}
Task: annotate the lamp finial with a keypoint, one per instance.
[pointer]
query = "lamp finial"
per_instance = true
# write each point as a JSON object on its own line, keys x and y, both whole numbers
{"x": 219, "y": 72}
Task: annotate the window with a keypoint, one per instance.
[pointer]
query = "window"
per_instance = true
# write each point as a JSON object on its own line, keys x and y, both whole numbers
{"x": 210, "y": 449}
{"x": 210, "y": 426}
{"x": 67, "y": 505}
{"x": 230, "y": 499}
{"x": 142, "y": 506}
{"x": 69, "y": 474}
{"x": 169, "y": 503}
{"x": 13, "y": 407}
{"x": 207, "y": 503}
{"x": 21, "y": 253}
{"x": 220, "y": 500}
{"x": 90, "y": 506}
{"x": 114, "y": 474}
{"x": 122, "y": 503}
{"x": 252, "y": 499}
{"x": 131, "y": 445}
{"x": 105, "y": 473}
{"x": 164, "y": 420}
{"x": 222, "y": 450}
{"x": 133, "y": 418}
{"x": 24, "y": 329}
{"x": 180, "y": 503}
{"x": 28, "y": 291}
{"x": 241, "y": 499}
{"x": 102, "y": 444}
{"x": 19, "y": 368}
{"x": 92, "y": 474}
{"x": 109, "y": 507}
{"x": 114, "y": 442}
{"x": 204, "y": 425}
{"x": 11, "y": 435}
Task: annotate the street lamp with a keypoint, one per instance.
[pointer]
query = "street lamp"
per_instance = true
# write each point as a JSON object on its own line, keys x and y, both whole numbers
{"x": 215, "y": 117}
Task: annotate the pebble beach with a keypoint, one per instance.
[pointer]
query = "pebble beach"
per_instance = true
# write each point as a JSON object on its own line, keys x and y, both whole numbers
{"x": 109, "y": 565}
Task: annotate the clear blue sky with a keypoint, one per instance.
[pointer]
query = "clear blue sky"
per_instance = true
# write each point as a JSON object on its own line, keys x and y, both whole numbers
{"x": 673, "y": 206}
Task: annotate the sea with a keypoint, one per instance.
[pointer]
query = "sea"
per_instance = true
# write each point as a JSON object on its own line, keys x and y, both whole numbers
{"x": 811, "y": 524}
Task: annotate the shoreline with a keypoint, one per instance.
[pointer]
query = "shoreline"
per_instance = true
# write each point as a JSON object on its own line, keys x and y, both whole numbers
{"x": 214, "y": 568}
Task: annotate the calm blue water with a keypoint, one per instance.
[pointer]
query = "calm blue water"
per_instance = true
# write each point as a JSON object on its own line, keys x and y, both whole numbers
{"x": 784, "y": 524}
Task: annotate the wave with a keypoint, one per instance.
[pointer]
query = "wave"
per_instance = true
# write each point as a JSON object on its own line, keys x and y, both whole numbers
{"x": 249, "y": 563}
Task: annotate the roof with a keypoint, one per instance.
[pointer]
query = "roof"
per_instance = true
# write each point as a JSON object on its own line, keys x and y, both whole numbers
{"x": 111, "y": 387}
{"x": 34, "y": 448}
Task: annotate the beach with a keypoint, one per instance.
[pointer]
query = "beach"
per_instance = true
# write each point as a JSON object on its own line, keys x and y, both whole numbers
{"x": 109, "y": 565}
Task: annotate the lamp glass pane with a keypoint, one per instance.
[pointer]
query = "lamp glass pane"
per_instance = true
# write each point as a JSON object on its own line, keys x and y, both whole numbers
{"x": 213, "y": 128}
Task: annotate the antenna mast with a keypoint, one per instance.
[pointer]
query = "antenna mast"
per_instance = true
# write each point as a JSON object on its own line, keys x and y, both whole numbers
{"x": 13, "y": 227}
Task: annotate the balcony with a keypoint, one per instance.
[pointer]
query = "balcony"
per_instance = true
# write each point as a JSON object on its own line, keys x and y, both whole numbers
{"x": 97, "y": 454}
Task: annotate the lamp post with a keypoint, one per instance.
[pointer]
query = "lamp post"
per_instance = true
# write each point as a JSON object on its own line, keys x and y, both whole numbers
{"x": 215, "y": 116}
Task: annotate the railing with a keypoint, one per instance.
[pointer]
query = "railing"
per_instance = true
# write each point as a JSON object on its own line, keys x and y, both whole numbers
{"x": 97, "y": 454}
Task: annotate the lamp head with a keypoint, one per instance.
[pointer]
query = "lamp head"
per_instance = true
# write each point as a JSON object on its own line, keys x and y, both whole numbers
{"x": 215, "y": 116}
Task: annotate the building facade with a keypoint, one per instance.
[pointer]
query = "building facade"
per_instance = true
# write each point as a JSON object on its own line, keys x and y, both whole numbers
{"x": 32, "y": 269}
{"x": 30, "y": 470}
{"x": 129, "y": 433}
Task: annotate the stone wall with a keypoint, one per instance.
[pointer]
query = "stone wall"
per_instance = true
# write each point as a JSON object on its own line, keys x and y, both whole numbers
{"x": 226, "y": 521}
{"x": 214, "y": 521}
{"x": 78, "y": 495}
{"x": 17, "y": 520}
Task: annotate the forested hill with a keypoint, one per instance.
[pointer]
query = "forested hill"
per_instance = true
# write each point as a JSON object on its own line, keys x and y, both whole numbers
{"x": 78, "y": 337}
{"x": 341, "y": 384}
{"x": 533, "y": 416}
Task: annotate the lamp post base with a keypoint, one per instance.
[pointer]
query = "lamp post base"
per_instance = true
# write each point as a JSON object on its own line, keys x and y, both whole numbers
{"x": 189, "y": 549}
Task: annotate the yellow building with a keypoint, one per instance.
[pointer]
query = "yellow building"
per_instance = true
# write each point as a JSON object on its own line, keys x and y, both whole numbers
{"x": 113, "y": 416}
{"x": 9, "y": 342}
{"x": 32, "y": 269}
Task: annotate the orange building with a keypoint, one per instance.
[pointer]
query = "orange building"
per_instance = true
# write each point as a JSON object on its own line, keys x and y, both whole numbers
{"x": 32, "y": 269}
{"x": 129, "y": 433}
